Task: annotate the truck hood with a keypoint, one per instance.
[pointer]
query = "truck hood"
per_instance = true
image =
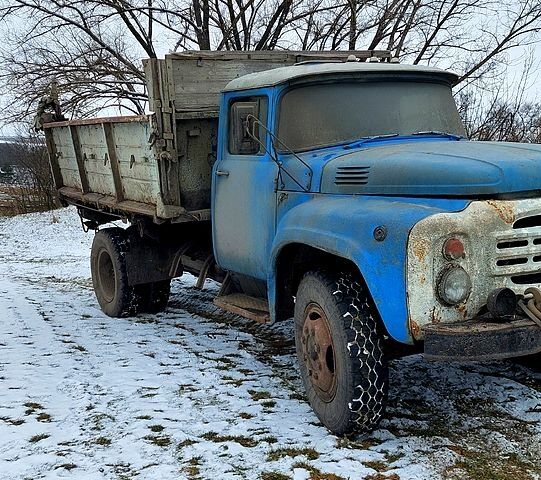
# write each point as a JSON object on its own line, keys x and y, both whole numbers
{"x": 435, "y": 167}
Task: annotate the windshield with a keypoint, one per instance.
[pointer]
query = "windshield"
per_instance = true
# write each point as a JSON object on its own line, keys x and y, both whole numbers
{"x": 315, "y": 116}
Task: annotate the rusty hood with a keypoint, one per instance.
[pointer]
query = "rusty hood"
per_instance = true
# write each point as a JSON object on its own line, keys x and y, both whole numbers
{"x": 434, "y": 167}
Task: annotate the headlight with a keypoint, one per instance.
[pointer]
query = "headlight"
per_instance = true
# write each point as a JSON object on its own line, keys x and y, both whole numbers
{"x": 454, "y": 285}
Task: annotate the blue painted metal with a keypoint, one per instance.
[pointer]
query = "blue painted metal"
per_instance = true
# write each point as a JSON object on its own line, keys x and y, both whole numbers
{"x": 254, "y": 221}
{"x": 344, "y": 225}
{"x": 244, "y": 201}
{"x": 439, "y": 166}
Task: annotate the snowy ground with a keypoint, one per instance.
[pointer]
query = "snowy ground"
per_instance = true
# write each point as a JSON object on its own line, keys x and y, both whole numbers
{"x": 197, "y": 393}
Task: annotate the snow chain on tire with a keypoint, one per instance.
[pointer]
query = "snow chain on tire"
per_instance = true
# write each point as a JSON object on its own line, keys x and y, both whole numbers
{"x": 340, "y": 349}
{"x": 364, "y": 340}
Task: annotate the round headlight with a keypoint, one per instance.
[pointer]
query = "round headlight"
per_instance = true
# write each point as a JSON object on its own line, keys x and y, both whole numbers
{"x": 454, "y": 285}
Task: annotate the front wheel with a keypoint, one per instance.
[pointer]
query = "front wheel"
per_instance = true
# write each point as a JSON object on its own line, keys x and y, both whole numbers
{"x": 340, "y": 349}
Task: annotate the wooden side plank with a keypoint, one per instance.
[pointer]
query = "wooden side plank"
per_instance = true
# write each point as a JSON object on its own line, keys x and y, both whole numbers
{"x": 79, "y": 157}
{"x": 53, "y": 157}
{"x": 113, "y": 159}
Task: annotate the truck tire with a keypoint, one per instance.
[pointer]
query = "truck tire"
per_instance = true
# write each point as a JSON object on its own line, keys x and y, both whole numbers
{"x": 108, "y": 267}
{"x": 340, "y": 349}
{"x": 154, "y": 296}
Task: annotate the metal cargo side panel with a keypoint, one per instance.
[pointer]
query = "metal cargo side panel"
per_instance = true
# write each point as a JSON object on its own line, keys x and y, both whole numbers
{"x": 96, "y": 159}
{"x": 137, "y": 164}
{"x": 66, "y": 159}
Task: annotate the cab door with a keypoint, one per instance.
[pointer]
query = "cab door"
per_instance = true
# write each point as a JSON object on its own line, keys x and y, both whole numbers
{"x": 244, "y": 188}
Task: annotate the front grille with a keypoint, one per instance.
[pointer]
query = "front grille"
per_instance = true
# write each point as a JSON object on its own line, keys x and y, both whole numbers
{"x": 512, "y": 244}
{"x": 351, "y": 175}
{"x": 529, "y": 279}
{"x": 518, "y": 252}
{"x": 528, "y": 222}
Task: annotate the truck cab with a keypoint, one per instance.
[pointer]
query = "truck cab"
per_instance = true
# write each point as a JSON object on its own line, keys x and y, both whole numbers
{"x": 344, "y": 194}
{"x": 366, "y": 166}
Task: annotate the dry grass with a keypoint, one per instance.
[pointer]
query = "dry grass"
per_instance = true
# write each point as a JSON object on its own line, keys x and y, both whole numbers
{"x": 244, "y": 441}
{"x": 15, "y": 200}
{"x": 307, "y": 452}
{"x": 160, "y": 441}
{"x": 38, "y": 438}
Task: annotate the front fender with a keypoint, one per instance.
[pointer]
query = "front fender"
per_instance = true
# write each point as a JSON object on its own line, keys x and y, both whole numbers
{"x": 344, "y": 226}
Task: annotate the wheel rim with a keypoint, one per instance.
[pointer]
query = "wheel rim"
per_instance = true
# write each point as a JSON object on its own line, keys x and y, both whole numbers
{"x": 318, "y": 352}
{"x": 107, "y": 276}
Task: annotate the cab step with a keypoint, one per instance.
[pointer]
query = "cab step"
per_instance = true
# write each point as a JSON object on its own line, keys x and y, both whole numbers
{"x": 253, "y": 308}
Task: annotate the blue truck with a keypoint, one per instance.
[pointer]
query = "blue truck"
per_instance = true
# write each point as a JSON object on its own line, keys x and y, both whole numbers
{"x": 337, "y": 188}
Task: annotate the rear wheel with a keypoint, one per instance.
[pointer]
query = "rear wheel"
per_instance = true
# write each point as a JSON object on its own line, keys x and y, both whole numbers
{"x": 109, "y": 278}
{"x": 340, "y": 352}
{"x": 154, "y": 296}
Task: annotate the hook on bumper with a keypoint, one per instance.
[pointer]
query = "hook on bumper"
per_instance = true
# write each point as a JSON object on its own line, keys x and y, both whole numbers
{"x": 531, "y": 305}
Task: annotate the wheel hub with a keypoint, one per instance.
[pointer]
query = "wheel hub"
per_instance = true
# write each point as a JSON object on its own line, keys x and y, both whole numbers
{"x": 318, "y": 352}
{"x": 106, "y": 273}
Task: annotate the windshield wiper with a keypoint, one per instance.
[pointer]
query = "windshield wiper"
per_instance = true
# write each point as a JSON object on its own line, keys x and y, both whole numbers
{"x": 377, "y": 137}
{"x": 439, "y": 133}
{"x": 371, "y": 138}
{"x": 374, "y": 138}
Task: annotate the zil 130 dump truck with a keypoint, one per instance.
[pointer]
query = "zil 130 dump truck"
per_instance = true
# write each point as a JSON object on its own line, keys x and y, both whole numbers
{"x": 337, "y": 188}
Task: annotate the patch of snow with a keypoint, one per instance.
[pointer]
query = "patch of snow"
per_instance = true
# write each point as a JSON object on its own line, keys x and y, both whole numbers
{"x": 198, "y": 393}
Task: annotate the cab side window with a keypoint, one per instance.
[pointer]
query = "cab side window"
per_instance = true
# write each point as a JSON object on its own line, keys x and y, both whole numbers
{"x": 242, "y": 128}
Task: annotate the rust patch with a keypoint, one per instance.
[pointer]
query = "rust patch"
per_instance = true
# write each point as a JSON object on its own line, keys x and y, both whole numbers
{"x": 415, "y": 329}
{"x": 434, "y": 317}
{"x": 420, "y": 248}
{"x": 463, "y": 310}
{"x": 504, "y": 209}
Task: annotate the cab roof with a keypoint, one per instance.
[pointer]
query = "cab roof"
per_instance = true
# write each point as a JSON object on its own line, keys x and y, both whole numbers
{"x": 310, "y": 70}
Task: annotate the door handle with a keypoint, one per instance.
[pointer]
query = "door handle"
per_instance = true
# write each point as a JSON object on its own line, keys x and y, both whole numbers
{"x": 221, "y": 173}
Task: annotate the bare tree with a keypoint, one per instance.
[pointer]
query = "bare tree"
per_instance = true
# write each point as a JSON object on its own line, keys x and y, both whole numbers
{"x": 31, "y": 188}
{"x": 501, "y": 120}
{"x": 81, "y": 44}
{"x": 503, "y": 113}
{"x": 93, "y": 47}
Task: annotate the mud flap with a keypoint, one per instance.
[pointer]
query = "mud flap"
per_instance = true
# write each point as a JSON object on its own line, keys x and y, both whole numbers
{"x": 481, "y": 339}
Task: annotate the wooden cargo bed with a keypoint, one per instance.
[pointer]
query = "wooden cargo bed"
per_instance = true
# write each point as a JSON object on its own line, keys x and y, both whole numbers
{"x": 159, "y": 165}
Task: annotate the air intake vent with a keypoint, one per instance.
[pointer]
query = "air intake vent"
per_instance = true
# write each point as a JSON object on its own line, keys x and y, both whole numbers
{"x": 351, "y": 176}
{"x": 528, "y": 222}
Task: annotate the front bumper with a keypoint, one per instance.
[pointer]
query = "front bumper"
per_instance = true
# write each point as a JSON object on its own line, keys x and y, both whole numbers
{"x": 481, "y": 339}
